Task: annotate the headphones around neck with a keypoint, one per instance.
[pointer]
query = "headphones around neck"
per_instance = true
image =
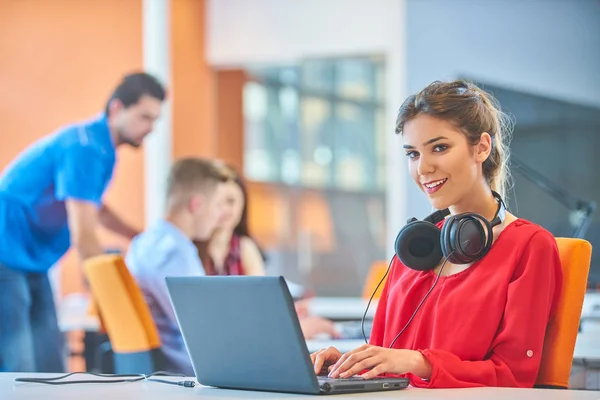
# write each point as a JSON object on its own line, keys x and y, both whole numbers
{"x": 463, "y": 239}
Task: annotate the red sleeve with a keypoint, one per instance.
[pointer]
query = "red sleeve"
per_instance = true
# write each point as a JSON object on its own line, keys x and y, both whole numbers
{"x": 514, "y": 357}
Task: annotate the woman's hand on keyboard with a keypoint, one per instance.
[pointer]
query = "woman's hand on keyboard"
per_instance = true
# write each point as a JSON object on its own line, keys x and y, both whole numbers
{"x": 371, "y": 361}
{"x": 324, "y": 358}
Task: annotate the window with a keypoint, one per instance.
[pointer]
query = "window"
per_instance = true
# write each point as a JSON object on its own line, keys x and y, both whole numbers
{"x": 318, "y": 124}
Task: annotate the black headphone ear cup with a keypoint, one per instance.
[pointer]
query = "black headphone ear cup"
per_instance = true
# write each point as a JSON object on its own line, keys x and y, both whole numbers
{"x": 418, "y": 245}
{"x": 464, "y": 238}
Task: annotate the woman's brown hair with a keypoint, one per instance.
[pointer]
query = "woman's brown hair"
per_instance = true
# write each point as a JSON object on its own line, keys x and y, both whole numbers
{"x": 472, "y": 111}
{"x": 241, "y": 228}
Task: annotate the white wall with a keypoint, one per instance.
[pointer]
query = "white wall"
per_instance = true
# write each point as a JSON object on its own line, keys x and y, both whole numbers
{"x": 264, "y": 31}
{"x": 250, "y": 32}
{"x": 547, "y": 47}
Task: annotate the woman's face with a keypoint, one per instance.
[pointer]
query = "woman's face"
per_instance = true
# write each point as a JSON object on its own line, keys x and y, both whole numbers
{"x": 233, "y": 206}
{"x": 441, "y": 161}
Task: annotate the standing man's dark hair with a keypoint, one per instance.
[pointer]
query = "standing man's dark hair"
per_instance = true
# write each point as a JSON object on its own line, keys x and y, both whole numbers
{"x": 134, "y": 86}
{"x": 51, "y": 198}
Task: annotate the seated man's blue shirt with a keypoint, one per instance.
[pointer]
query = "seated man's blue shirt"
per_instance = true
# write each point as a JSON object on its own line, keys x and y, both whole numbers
{"x": 76, "y": 162}
{"x": 160, "y": 251}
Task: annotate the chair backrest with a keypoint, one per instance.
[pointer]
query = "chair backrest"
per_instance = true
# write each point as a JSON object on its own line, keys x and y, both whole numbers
{"x": 376, "y": 273}
{"x": 125, "y": 315}
{"x": 561, "y": 334}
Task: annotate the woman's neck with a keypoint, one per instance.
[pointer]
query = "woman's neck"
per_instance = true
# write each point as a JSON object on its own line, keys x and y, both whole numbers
{"x": 481, "y": 201}
{"x": 218, "y": 247}
{"x": 221, "y": 237}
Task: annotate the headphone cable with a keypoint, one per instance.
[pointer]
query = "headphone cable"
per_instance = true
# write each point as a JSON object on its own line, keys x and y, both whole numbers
{"x": 362, "y": 323}
{"x": 422, "y": 301}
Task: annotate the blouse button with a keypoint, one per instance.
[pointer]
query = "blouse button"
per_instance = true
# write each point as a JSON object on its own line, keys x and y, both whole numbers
{"x": 529, "y": 353}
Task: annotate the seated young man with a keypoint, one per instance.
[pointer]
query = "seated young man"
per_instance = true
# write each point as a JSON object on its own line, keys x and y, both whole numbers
{"x": 193, "y": 208}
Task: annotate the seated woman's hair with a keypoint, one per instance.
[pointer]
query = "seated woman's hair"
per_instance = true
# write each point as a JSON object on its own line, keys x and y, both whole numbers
{"x": 472, "y": 111}
{"x": 241, "y": 229}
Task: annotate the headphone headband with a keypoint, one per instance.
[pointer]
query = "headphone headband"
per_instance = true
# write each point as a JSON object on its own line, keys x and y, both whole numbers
{"x": 464, "y": 238}
{"x": 437, "y": 216}
{"x": 500, "y": 211}
{"x": 440, "y": 215}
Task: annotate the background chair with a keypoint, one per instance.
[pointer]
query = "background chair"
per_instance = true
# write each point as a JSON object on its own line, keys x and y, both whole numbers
{"x": 134, "y": 340}
{"x": 561, "y": 334}
{"x": 376, "y": 272}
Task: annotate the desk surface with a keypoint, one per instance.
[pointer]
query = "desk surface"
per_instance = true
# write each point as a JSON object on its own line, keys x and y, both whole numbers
{"x": 342, "y": 308}
{"x": 73, "y": 315}
{"x": 154, "y": 391}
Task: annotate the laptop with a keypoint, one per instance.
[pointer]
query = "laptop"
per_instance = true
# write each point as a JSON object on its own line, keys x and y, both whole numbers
{"x": 242, "y": 332}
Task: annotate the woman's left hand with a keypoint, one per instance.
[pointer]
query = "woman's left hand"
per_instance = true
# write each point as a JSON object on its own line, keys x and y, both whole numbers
{"x": 380, "y": 360}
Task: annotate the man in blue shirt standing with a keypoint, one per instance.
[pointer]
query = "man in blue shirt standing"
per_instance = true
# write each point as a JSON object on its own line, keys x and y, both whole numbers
{"x": 51, "y": 199}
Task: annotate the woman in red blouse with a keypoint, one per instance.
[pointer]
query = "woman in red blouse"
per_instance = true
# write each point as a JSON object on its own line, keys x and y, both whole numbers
{"x": 461, "y": 325}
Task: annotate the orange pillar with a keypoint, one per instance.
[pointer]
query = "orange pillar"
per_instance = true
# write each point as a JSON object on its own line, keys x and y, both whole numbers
{"x": 207, "y": 104}
{"x": 229, "y": 122}
{"x": 59, "y": 61}
{"x": 192, "y": 82}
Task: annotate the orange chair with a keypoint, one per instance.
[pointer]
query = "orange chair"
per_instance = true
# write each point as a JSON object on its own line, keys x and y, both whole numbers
{"x": 561, "y": 334}
{"x": 125, "y": 316}
{"x": 376, "y": 273}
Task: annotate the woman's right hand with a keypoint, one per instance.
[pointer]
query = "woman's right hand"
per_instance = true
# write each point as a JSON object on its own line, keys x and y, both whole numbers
{"x": 325, "y": 358}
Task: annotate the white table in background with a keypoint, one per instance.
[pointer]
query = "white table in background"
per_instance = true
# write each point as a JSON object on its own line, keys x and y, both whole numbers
{"x": 72, "y": 314}
{"x": 342, "y": 345}
{"x": 341, "y": 308}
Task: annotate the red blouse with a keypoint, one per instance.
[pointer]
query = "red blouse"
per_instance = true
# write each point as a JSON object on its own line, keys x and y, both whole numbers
{"x": 483, "y": 326}
{"x": 232, "y": 265}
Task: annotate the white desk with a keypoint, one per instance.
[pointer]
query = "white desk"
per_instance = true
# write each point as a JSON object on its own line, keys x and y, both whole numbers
{"x": 72, "y": 312}
{"x": 591, "y": 305}
{"x": 72, "y": 315}
{"x": 341, "y": 308}
{"x": 587, "y": 347}
{"x": 68, "y": 323}
{"x": 10, "y": 390}
{"x": 343, "y": 346}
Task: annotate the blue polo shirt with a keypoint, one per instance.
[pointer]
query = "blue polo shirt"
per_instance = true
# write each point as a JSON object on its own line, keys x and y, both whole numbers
{"x": 74, "y": 162}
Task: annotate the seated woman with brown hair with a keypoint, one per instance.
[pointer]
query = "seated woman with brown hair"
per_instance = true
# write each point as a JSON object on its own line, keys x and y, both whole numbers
{"x": 471, "y": 290}
{"x": 231, "y": 250}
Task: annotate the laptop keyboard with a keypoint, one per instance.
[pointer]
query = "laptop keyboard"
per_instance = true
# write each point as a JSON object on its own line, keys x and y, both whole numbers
{"x": 327, "y": 379}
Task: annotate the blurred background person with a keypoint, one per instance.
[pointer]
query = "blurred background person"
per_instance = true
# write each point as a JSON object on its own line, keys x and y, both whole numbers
{"x": 231, "y": 250}
{"x": 194, "y": 202}
{"x": 51, "y": 197}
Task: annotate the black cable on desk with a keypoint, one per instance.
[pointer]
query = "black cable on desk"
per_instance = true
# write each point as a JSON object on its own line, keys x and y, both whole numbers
{"x": 120, "y": 378}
